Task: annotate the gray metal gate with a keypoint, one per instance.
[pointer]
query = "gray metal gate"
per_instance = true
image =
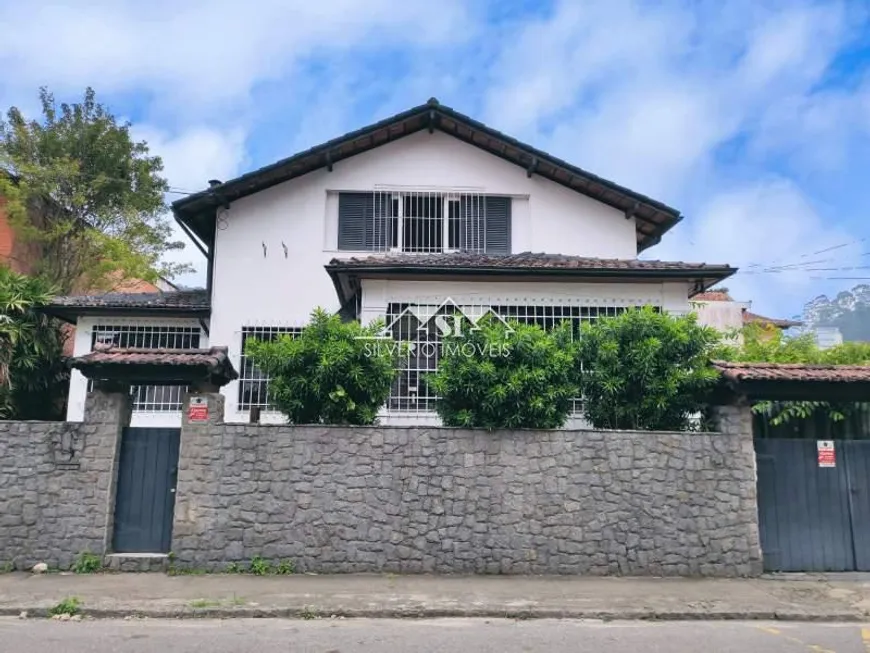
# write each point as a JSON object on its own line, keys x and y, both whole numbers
{"x": 145, "y": 497}
{"x": 814, "y": 518}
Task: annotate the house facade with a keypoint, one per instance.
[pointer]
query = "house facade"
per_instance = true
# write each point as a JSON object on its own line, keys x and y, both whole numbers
{"x": 428, "y": 210}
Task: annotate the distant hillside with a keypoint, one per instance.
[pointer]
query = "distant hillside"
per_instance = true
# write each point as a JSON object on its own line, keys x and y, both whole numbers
{"x": 849, "y": 311}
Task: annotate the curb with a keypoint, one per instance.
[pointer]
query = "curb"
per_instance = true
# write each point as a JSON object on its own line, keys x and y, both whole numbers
{"x": 312, "y": 612}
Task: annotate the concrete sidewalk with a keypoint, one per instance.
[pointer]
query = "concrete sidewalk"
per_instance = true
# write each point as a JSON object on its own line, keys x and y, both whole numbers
{"x": 796, "y": 598}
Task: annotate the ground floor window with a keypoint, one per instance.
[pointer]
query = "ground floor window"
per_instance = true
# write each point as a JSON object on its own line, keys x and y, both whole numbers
{"x": 253, "y": 383}
{"x": 149, "y": 398}
{"x": 418, "y": 325}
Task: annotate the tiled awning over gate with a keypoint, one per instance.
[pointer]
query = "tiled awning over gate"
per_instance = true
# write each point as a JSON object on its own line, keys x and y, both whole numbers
{"x": 792, "y": 382}
{"x": 157, "y": 366}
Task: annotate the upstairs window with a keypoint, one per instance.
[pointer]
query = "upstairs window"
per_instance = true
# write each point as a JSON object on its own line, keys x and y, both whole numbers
{"x": 424, "y": 222}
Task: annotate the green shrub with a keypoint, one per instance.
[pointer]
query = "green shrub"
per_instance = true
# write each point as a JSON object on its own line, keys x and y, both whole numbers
{"x": 285, "y": 568}
{"x": 645, "y": 370}
{"x": 505, "y": 376}
{"x": 33, "y": 375}
{"x": 334, "y": 372}
{"x": 70, "y": 605}
{"x": 87, "y": 563}
{"x": 259, "y": 566}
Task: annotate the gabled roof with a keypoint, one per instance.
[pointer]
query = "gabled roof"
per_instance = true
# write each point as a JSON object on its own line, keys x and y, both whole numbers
{"x": 182, "y": 303}
{"x": 346, "y": 272}
{"x": 197, "y": 211}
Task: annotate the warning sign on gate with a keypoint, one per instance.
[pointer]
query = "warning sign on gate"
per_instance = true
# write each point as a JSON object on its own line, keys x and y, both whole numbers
{"x": 198, "y": 410}
{"x": 827, "y": 456}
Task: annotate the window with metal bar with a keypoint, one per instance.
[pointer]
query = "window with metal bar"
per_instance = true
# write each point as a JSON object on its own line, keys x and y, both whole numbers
{"x": 421, "y": 221}
{"x": 253, "y": 383}
{"x": 417, "y": 325}
{"x": 151, "y": 398}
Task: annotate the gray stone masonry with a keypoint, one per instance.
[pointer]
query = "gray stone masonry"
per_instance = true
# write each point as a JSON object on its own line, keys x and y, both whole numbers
{"x": 413, "y": 500}
{"x": 57, "y": 484}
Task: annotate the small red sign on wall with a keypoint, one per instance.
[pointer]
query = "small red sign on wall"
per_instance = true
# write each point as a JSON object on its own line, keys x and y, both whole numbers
{"x": 827, "y": 455}
{"x": 197, "y": 411}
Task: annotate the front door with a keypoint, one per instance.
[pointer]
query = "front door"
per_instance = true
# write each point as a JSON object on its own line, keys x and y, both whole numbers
{"x": 145, "y": 498}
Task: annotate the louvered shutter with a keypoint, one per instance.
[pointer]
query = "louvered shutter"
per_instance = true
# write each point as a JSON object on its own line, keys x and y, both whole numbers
{"x": 498, "y": 225}
{"x": 356, "y": 228}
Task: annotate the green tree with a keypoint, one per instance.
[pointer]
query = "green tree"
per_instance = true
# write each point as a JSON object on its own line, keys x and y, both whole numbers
{"x": 333, "y": 372}
{"x": 77, "y": 185}
{"x": 645, "y": 370}
{"x": 33, "y": 376}
{"x": 505, "y": 376}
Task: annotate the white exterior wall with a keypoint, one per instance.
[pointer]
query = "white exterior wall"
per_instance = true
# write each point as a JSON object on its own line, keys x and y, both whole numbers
{"x": 78, "y": 384}
{"x": 271, "y": 247}
{"x": 723, "y": 316}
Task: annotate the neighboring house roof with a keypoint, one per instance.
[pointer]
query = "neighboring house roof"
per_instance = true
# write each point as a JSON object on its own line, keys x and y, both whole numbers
{"x": 161, "y": 366}
{"x": 712, "y": 296}
{"x": 652, "y": 218}
{"x": 793, "y": 382}
{"x": 345, "y": 272}
{"x": 754, "y": 318}
{"x": 184, "y": 303}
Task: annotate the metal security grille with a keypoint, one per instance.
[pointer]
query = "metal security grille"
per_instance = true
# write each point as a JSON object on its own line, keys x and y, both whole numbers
{"x": 419, "y": 326}
{"x": 150, "y": 398}
{"x": 253, "y": 383}
{"x": 428, "y": 221}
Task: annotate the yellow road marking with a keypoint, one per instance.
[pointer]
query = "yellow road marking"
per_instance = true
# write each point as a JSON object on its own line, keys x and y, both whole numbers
{"x": 865, "y": 637}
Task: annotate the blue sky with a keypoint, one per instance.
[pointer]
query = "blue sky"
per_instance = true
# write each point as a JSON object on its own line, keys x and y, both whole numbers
{"x": 753, "y": 118}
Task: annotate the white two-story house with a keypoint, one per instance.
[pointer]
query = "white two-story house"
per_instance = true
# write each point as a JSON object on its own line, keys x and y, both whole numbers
{"x": 427, "y": 209}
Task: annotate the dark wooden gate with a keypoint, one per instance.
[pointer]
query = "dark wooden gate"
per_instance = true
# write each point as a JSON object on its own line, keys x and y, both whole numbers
{"x": 813, "y": 518}
{"x": 145, "y": 497}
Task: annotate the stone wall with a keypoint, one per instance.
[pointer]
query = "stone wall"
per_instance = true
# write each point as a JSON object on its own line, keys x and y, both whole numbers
{"x": 463, "y": 501}
{"x": 57, "y": 484}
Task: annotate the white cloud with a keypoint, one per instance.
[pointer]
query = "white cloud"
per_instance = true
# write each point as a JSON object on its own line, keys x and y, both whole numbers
{"x": 773, "y": 233}
{"x": 199, "y": 52}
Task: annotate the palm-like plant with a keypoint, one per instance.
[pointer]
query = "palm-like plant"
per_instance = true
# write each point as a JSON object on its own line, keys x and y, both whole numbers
{"x": 32, "y": 371}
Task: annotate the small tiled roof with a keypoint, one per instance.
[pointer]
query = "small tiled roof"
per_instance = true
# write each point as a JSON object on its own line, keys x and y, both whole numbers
{"x": 749, "y": 318}
{"x": 178, "y": 365}
{"x": 522, "y": 261}
{"x": 182, "y": 302}
{"x": 793, "y": 372}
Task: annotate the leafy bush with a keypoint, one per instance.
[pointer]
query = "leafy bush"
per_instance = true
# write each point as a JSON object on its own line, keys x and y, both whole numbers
{"x": 645, "y": 370}
{"x": 33, "y": 376}
{"x": 500, "y": 376}
{"x": 285, "y": 568}
{"x": 334, "y": 372}
{"x": 70, "y": 605}
{"x": 260, "y": 567}
{"x": 87, "y": 563}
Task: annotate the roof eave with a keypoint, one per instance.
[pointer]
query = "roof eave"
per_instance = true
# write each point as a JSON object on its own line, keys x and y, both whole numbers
{"x": 344, "y": 276}
{"x": 201, "y": 206}
{"x": 72, "y": 313}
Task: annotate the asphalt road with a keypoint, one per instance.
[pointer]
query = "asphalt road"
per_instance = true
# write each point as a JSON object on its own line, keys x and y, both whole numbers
{"x": 449, "y": 635}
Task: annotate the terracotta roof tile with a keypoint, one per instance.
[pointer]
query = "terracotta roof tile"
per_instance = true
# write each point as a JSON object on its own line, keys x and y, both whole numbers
{"x": 749, "y": 318}
{"x": 182, "y": 299}
{"x": 793, "y": 372}
{"x": 712, "y": 296}
{"x": 522, "y": 261}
